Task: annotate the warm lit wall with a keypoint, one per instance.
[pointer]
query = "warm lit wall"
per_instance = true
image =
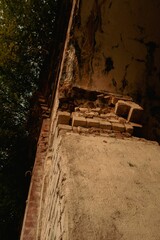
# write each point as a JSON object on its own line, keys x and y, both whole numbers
{"x": 118, "y": 44}
{"x": 117, "y": 50}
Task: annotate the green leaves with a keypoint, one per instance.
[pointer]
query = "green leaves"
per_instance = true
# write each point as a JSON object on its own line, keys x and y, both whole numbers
{"x": 26, "y": 35}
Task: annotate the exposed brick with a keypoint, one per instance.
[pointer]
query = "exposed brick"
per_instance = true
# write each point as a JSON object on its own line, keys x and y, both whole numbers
{"x": 82, "y": 130}
{"x": 64, "y": 127}
{"x": 128, "y": 128}
{"x": 105, "y": 125}
{"x": 113, "y": 100}
{"x": 78, "y": 121}
{"x": 129, "y": 110}
{"x": 93, "y": 123}
{"x": 33, "y": 203}
{"x": 113, "y": 120}
{"x": 98, "y": 109}
{"x": 64, "y": 117}
{"x": 118, "y": 127}
{"x": 78, "y": 114}
{"x": 122, "y": 120}
{"x": 110, "y": 115}
{"x": 103, "y": 116}
{"x": 122, "y": 109}
{"x": 135, "y": 114}
{"x": 91, "y": 114}
{"x": 83, "y": 109}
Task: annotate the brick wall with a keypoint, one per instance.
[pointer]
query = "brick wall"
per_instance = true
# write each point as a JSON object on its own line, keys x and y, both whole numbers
{"x": 53, "y": 202}
{"x": 45, "y": 215}
{"x": 45, "y": 210}
{"x": 31, "y": 217}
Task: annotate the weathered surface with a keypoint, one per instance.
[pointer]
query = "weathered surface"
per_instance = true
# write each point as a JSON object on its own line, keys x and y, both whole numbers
{"x": 115, "y": 47}
{"x": 113, "y": 188}
{"x": 92, "y": 186}
{"x": 96, "y": 187}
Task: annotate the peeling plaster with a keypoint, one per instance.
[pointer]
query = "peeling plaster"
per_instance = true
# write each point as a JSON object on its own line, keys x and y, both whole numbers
{"x": 124, "y": 32}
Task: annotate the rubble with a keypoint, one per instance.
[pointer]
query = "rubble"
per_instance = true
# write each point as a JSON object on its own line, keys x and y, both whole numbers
{"x": 117, "y": 114}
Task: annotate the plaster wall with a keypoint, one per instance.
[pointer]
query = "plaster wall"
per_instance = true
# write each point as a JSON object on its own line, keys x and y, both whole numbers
{"x": 116, "y": 46}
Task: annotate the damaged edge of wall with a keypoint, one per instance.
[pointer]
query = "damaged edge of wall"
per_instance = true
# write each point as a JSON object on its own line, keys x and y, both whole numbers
{"x": 30, "y": 221}
{"x": 30, "y": 229}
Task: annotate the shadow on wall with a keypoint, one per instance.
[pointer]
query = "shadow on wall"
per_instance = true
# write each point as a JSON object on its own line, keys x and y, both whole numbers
{"x": 149, "y": 98}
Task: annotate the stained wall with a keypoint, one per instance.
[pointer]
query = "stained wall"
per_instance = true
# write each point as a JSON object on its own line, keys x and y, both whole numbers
{"x": 116, "y": 45}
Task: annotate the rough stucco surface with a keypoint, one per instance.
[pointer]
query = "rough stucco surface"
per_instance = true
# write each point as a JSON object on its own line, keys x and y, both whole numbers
{"x": 112, "y": 188}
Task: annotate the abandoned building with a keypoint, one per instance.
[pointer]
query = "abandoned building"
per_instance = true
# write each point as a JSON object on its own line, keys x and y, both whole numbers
{"x": 97, "y": 169}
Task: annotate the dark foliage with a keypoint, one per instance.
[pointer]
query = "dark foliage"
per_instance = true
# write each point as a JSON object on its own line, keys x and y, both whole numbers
{"x": 26, "y": 35}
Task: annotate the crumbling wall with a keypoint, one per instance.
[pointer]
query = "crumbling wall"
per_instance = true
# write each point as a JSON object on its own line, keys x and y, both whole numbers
{"x": 92, "y": 183}
{"x": 116, "y": 45}
{"x": 92, "y": 179}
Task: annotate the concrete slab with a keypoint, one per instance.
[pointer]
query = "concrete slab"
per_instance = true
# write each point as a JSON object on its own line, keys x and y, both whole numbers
{"x": 112, "y": 188}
